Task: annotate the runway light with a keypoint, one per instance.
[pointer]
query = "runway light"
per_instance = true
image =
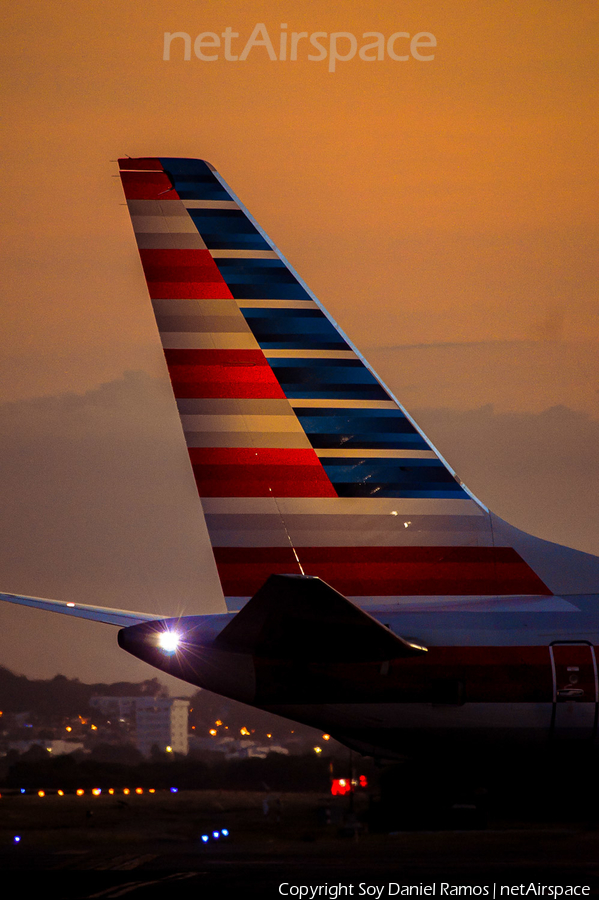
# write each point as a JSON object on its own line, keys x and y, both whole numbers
{"x": 216, "y": 835}
{"x": 126, "y": 791}
{"x": 326, "y": 737}
{"x": 243, "y": 730}
{"x": 168, "y": 641}
{"x": 174, "y": 790}
{"x": 22, "y": 790}
{"x": 152, "y": 790}
{"x": 213, "y": 732}
{"x": 41, "y": 793}
{"x": 139, "y": 790}
{"x": 205, "y": 838}
{"x": 111, "y": 790}
{"x": 169, "y": 749}
{"x": 68, "y": 728}
{"x": 80, "y": 792}
{"x": 17, "y": 839}
{"x": 225, "y": 832}
{"x": 96, "y": 792}
{"x": 61, "y": 793}
{"x": 318, "y": 749}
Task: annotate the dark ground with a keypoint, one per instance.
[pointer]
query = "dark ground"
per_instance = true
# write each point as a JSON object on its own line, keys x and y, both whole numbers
{"x": 154, "y": 844}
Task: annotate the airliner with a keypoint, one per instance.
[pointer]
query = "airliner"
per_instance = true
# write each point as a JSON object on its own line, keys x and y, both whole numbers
{"x": 364, "y": 590}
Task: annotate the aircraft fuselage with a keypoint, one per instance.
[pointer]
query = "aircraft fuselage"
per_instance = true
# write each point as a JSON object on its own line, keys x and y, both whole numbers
{"x": 514, "y": 671}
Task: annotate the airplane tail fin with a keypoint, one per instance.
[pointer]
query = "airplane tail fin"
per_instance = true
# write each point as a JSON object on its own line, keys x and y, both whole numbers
{"x": 304, "y": 460}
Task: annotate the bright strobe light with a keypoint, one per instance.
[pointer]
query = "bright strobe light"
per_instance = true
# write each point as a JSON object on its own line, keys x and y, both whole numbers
{"x": 168, "y": 641}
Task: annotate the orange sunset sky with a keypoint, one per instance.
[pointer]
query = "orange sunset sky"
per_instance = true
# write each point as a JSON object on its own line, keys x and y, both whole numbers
{"x": 444, "y": 212}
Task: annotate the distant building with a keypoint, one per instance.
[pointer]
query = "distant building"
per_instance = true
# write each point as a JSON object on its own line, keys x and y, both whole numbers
{"x": 233, "y": 748}
{"x": 245, "y": 751}
{"x": 155, "y": 722}
{"x": 120, "y": 707}
{"x": 161, "y": 723}
{"x": 56, "y": 748}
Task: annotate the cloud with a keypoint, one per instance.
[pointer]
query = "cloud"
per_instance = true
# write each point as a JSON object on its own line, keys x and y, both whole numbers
{"x": 514, "y": 375}
{"x": 551, "y": 327}
{"x": 446, "y": 345}
{"x": 98, "y": 505}
{"x": 540, "y": 471}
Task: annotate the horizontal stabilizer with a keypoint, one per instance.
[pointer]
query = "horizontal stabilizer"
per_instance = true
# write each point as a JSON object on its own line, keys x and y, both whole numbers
{"x": 302, "y": 617}
{"x": 121, "y": 617}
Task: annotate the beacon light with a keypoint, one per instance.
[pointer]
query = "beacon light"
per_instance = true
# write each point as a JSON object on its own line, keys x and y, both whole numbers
{"x": 168, "y": 641}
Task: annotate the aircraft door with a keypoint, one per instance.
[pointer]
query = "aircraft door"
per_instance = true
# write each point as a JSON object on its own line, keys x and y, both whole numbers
{"x": 575, "y": 690}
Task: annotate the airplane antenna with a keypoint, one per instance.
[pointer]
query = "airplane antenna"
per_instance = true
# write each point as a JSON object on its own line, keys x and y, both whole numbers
{"x": 297, "y": 559}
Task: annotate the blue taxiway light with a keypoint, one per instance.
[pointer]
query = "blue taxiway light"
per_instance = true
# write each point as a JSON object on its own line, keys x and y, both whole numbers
{"x": 215, "y": 835}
